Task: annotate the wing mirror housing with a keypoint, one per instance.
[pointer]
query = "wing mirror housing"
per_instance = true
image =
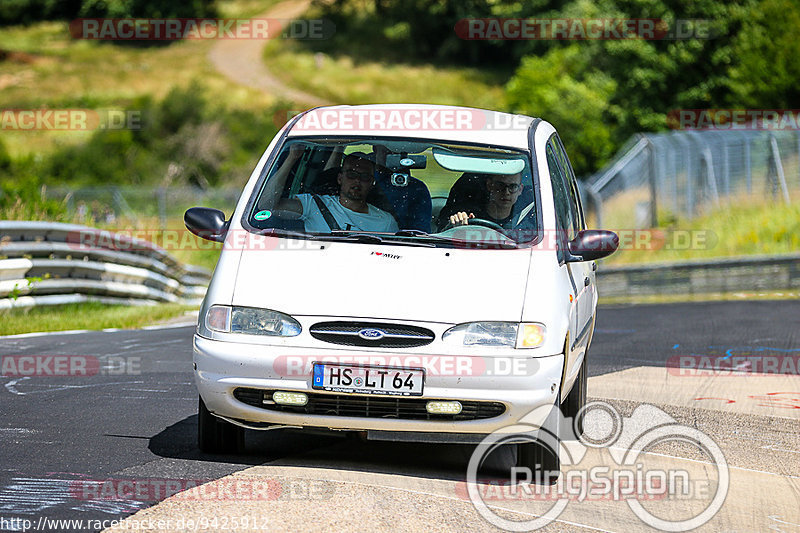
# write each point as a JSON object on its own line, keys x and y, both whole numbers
{"x": 206, "y": 223}
{"x": 592, "y": 244}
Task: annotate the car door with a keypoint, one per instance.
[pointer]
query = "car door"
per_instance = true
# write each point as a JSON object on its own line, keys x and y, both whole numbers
{"x": 565, "y": 230}
{"x": 568, "y": 223}
{"x": 583, "y": 271}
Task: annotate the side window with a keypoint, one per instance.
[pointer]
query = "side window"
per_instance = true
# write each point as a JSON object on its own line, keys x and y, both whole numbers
{"x": 565, "y": 223}
{"x": 573, "y": 184}
{"x": 570, "y": 201}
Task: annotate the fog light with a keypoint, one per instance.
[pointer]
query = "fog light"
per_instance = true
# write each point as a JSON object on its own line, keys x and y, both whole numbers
{"x": 443, "y": 408}
{"x": 289, "y": 398}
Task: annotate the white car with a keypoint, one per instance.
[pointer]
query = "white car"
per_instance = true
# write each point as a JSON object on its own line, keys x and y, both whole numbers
{"x": 413, "y": 273}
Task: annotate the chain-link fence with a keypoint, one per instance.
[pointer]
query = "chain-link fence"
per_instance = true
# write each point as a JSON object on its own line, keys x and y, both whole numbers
{"x": 683, "y": 172}
{"x": 106, "y": 205}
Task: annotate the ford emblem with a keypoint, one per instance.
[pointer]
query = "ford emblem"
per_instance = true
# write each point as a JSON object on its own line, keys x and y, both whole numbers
{"x": 407, "y": 162}
{"x": 371, "y": 334}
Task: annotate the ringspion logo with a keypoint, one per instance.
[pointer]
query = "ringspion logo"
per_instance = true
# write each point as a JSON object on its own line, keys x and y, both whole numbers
{"x": 628, "y": 477}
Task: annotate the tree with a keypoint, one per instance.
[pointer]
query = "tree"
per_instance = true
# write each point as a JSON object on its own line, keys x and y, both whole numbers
{"x": 765, "y": 70}
{"x": 559, "y": 88}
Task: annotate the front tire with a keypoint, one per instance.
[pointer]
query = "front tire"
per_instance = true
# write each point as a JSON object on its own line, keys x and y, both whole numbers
{"x": 217, "y": 436}
{"x": 576, "y": 401}
{"x": 541, "y": 456}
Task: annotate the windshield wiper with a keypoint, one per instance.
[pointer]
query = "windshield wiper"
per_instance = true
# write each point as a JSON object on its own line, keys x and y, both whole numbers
{"x": 436, "y": 239}
{"x": 412, "y": 233}
{"x": 371, "y": 238}
{"x": 367, "y": 238}
{"x": 419, "y": 238}
{"x": 278, "y": 232}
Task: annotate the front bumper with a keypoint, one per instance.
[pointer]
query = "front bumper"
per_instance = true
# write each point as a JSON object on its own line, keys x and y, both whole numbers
{"x": 523, "y": 385}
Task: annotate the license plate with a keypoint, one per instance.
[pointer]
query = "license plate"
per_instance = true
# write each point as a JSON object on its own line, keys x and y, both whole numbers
{"x": 384, "y": 380}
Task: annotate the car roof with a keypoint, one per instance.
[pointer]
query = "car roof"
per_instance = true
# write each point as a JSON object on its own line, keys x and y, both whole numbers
{"x": 423, "y": 121}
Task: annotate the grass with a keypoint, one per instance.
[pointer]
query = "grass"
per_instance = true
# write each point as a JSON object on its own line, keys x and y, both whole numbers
{"x": 186, "y": 247}
{"x": 366, "y": 62}
{"x": 341, "y": 79}
{"x": 174, "y": 238}
{"x": 90, "y": 315}
{"x": 745, "y": 226}
{"x": 706, "y": 297}
{"x": 50, "y": 69}
{"x": 243, "y": 8}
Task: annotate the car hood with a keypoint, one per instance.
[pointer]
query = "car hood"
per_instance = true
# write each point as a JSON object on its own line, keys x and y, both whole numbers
{"x": 385, "y": 282}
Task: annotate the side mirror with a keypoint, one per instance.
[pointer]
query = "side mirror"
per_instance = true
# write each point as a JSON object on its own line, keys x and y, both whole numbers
{"x": 592, "y": 244}
{"x": 206, "y": 223}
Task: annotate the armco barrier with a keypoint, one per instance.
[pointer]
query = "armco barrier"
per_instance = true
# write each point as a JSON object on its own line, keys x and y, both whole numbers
{"x": 44, "y": 263}
{"x": 144, "y": 273}
{"x": 757, "y": 273}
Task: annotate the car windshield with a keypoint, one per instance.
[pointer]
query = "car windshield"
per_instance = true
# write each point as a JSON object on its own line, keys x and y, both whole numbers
{"x": 390, "y": 189}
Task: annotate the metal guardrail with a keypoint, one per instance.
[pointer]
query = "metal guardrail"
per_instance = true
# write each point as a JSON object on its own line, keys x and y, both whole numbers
{"x": 65, "y": 271}
{"x": 48, "y": 263}
{"x": 738, "y": 274}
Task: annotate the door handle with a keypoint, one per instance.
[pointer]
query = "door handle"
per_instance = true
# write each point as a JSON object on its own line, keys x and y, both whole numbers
{"x": 586, "y": 281}
{"x": 594, "y": 266}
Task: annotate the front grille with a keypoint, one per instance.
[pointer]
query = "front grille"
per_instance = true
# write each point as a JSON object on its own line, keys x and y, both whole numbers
{"x": 394, "y": 335}
{"x": 368, "y": 406}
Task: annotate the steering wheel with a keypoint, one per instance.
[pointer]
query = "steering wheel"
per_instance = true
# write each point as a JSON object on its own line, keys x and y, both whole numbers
{"x": 478, "y": 222}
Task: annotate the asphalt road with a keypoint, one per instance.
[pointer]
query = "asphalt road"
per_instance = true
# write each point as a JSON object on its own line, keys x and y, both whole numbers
{"x": 134, "y": 423}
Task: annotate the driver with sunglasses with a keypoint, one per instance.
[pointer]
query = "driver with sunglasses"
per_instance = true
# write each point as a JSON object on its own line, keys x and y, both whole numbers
{"x": 349, "y": 209}
{"x": 502, "y": 193}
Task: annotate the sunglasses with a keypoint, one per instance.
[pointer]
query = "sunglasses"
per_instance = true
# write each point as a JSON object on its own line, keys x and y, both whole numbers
{"x": 363, "y": 177}
{"x": 499, "y": 186}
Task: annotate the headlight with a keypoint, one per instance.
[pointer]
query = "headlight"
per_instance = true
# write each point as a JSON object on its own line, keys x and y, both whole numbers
{"x": 514, "y": 334}
{"x": 483, "y": 334}
{"x": 251, "y": 321}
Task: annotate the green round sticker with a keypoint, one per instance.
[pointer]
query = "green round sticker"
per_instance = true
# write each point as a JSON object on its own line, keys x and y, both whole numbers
{"x": 263, "y": 215}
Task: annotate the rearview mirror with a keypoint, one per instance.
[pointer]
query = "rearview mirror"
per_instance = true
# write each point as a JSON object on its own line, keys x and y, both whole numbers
{"x": 592, "y": 244}
{"x": 406, "y": 161}
{"x": 206, "y": 223}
